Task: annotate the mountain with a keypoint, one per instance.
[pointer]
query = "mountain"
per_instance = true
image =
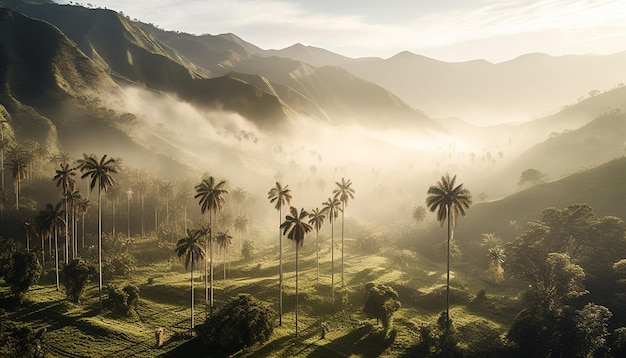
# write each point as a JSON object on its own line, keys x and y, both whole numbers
{"x": 601, "y": 187}
{"x": 314, "y": 56}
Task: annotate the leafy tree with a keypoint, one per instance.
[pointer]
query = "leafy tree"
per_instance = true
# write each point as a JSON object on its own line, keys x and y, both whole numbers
{"x": 76, "y": 274}
{"x": 295, "y": 228}
{"x": 280, "y": 196}
{"x": 123, "y": 300}
{"x": 210, "y": 195}
{"x": 497, "y": 257}
{"x": 100, "y": 173}
{"x": 21, "y": 340}
{"x": 242, "y": 322}
{"x": 332, "y": 207}
{"x": 381, "y": 302}
{"x": 343, "y": 192}
{"x": 316, "y": 218}
{"x": 247, "y": 249}
{"x": 24, "y": 272}
{"x": 532, "y": 176}
{"x": 591, "y": 323}
{"x": 190, "y": 250}
{"x": 448, "y": 201}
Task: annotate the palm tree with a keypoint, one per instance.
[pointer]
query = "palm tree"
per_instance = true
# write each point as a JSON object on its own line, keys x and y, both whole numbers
{"x": 65, "y": 180}
{"x": 190, "y": 249}
{"x": 448, "y": 201}
{"x": 83, "y": 208}
{"x": 281, "y": 196}
{"x": 316, "y": 218}
{"x": 332, "y": 206}
{"x": 295, "y": 228}
{"x": 241, "y": 225}
{"x": 2, "y": 145}
{"x": 129, "y": 198}
{"x": 114, "y": 193}
{"x": 74, "y": 199}
{"x": 49, "y": 221}
{"x": 343, "y": 192}
{"x": 18, "y": 171}
{"x": 224, "y": 239}
{"x": 418, "y": 214}
{"x": 210, "y": 194}
{"x": 100, "y": 173}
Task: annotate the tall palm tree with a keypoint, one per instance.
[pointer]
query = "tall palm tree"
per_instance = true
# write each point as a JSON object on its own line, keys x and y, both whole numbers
{"x": 210, "y": 194}
{"x": 83, "y": 208}
{"x": 332, "y": 206}
{"x": 64, "y": 179}
{"x": 114, "y": 194}
{"x": 2, "y": 145}
{"x": 190, "y": 249}
{"x": 281, "y": 196}
{"x": 448, "y": 201}
{"x": 295, "y": 228}
{"x": 49, "y": 221}
{"x": 343, "y": 192}
{"x": 224, "y": 240}
{"x": 316, "y": 218}
{"x": 100, "y": 173}
{"x": 129, "y": 198}
{"x": 241, "y": 225}
{"x": 17, "y": 165}
{"x": 73, "y": 198}
{"x": 418, "y": 214}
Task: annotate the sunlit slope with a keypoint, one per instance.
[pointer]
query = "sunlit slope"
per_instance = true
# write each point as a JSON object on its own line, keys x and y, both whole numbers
{"x": 601, "y": 187}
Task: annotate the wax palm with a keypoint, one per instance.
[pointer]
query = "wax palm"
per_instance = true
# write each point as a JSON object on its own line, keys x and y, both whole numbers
{"x": 448, "y": 201}
{"x": 316, "y": 218}
{"x": 280, "y": 196}
{"x": 210, "y": 194}
{"x": 99, "y": 171}
{"x": 64, "y": 179}
{"x": 17, "y": 166}
{"x": 190, "y": 249}
{"x": 49, "y": 222}
{"x": 83, "y": 207}
{"x": 296, "y": 228}
{"x": 343, "y": 192}
{"x": 224, "y": 240}
{"x": 419, "y": 213}
{"x": 332, "y": 206}
{"x": 73, "y": 198}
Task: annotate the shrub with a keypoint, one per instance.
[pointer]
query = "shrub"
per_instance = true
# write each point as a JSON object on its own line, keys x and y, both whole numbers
{"x": 381, "y": 302}
{"x": 76, "y": 275}
{"x": 123, "y": 300}
{"x": 119, "y": 265}
{"x": 242, "y": 322}
{"x": 247, "y": 249}
{"x": 24, "y": 271}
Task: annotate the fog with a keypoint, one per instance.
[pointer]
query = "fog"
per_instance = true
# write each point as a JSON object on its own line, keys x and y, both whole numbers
{"x": 390, "y": 169}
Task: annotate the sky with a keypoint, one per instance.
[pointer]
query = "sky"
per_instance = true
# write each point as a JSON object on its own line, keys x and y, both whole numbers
{"x": 453, "y": 31}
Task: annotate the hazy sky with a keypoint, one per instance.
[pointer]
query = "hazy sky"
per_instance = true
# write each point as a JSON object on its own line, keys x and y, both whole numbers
{"x": 496, "y": 30}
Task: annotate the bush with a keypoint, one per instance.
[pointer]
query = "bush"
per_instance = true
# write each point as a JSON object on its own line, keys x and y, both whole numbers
{"x": 123, "y": 300}
{"x": 20, "y": 340}
{"x": 24, "y": 271}
{"x": 247, "y": 249}
{"x": 381, "y": 302}
{"x": 242, "y": 322}
{"x": 76, "y": 274}
{"x": 119, "y": 265}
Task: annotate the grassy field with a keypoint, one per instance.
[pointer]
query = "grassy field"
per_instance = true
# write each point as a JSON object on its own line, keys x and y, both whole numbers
{"x": 80, "y": 330}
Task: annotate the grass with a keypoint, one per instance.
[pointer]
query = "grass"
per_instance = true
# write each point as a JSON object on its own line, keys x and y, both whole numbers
{"x": 80, "y": 330}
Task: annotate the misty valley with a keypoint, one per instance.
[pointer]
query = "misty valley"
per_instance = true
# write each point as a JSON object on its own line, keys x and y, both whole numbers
{"x": 167, "y": 194}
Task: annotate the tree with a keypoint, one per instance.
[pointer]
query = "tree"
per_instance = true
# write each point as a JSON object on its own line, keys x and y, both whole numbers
{"x": 24, "y": 272}
{"x": 343, "y": 192}
{"x": 247, "y": 248}
{"x": 332, "y": 207}
{"x": 49, "y": 221}
{"x": 448, "y": 201}
{"x": 241, "y": 225}
{"x": 280, "y": 196}
{"x": 18, "y": 171}
{"x": 418, "y": 214}
{"x": 64, "y": 179}
{"x": 100, "y": 173}
{"x": 83, "y": 208}
{"x": 295, "y": 228}
{"x": 242, "y": 322}
{"x": 224, "y": 240}
{"x": 211, "y": 200}
{"x": 532, "y": 176}
{"x": 381, "y": 302}
{"x": 190, "y": 250}
{"x": 76, "y": 274}
{"x": 316, "y": 218}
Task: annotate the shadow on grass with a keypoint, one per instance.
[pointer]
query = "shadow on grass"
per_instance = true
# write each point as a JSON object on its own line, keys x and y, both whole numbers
{"x": 365, "y": 341}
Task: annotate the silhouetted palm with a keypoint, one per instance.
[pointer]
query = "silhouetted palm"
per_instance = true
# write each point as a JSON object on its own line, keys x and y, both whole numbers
{"x": 100, "y": 173}
{"x": 49, "y": 222}
{"x": 343, "y": 192}
{"x": 316, "y": 218}
{"x": 224, "y": 240}
{"x": 296, "y": 228}
{"x": 189, "y": 248}
{"x": 18, "y": 172}
{"x": 332, "y": 206}
{"x": 210, "y": 194}
{"x": 73, "y": 198}
{"x": 419, "y": 213}
{"x": 448, "y": 201}
{"x": 280, "y": 196}
{"x": 64, "y": 179}
{"x": 83, "y": 207}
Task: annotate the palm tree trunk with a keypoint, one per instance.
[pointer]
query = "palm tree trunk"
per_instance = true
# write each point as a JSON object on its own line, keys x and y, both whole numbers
{"x": 43, "y": 253}
{"x": 332, "y": 259}
{"x": 280, "y": 271}
{"x": 191, "y": 284}
{"x": 83, "y": 238}
{"x": 297, "y": 289}
{"x": 56, "y": 254}
{"x": 143, "y": 233}
{"x": 448, "y": 274}
{"x": 317, "y": 236}
{"x": 211, "y": 270}
{"x": 67, "y": 233}
{"x": 100, "y": 246}
{"x": 343, "y": 209}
